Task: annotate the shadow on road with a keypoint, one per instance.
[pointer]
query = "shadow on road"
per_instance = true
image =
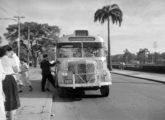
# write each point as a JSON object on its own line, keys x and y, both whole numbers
{"x": 66, "y": 99}
{"x": 36, "y": 93}
{"x": 92, "y": 96}
{"x": 72, "y": 97}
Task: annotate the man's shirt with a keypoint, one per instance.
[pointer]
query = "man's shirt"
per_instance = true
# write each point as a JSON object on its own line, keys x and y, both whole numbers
{"x": 45, "y": 66}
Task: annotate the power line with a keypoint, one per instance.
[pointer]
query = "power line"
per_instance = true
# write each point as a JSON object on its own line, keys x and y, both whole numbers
{"x": 8, "y": 19}
{"x": 8, "y": 8}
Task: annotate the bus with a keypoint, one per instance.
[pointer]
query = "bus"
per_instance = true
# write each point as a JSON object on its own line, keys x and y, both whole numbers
{"x": 83, "y": 63}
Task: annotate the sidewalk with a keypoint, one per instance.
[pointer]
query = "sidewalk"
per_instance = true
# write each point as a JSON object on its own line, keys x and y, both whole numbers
{"x": 142, "y": 75}
{"x": 35, "y": 105}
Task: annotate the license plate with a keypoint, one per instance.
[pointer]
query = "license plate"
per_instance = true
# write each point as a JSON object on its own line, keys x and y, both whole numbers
{"x": 68, "y": 81}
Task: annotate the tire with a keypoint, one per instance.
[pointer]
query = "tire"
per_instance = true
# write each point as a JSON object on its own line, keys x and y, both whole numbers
{"x": 104, "y": 91}
{"x": 62, "y": 92}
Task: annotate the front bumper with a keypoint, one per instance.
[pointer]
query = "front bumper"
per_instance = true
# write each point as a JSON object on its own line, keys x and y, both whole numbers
{"x": 85, "y": 85}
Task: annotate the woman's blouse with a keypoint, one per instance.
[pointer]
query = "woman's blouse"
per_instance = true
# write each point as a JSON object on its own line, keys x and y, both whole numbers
{"x": 2, "y": 97}
{"x": 7, "y": 65}
{"x": 2, "y": 77}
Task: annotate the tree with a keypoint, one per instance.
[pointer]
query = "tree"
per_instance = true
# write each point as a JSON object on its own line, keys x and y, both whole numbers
{"x": 142, "y": 55}
{"x": 23, "y": 49}
{"x": 117, "y": 58}
{"x": 163, "y": 55}
{"x": 128, "y": 56}
{"x": 162, "y": 58}
{"x": 38, "y": 33}
{"x": 107, "y": 13}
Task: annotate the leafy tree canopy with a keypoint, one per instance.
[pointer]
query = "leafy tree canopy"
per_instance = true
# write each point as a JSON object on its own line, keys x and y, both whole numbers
{"x": 40, "y": 36}
{"x": 128, "y": 56}
{"x": 112, "y": 12}
{"x": 37, "y": 31}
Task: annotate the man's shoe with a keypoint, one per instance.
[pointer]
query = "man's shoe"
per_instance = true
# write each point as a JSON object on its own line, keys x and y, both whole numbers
{"x": 48, "y": 90}
{"x": 20, "y": 91}
{"x": 30, "y": 88}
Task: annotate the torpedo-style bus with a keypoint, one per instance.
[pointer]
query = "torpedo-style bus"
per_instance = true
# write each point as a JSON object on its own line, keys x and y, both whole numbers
{"x": 82, "y": 62}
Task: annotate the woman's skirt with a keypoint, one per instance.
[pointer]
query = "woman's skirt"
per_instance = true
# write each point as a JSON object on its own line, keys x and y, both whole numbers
{"x": 12, "y": 101}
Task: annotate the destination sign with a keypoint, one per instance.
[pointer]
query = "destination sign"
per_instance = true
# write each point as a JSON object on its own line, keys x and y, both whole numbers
{"x": 81, "y": 39}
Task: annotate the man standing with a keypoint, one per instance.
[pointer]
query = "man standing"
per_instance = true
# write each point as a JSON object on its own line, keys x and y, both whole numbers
{"x": 46, "y": 72}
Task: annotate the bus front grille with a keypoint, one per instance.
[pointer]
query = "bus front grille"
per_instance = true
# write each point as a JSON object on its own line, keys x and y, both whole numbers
{"x": 84, "y": 72}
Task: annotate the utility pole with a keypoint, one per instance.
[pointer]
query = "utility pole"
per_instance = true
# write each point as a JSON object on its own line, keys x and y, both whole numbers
{"x": 28, "y": 42}
{"x": 28, "y": 47}
{"x": 155, "y": 47}
{"x": 19, "y": 32}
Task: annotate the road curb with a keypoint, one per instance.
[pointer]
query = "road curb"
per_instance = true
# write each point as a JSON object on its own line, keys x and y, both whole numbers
{"x": 149, "y": 79}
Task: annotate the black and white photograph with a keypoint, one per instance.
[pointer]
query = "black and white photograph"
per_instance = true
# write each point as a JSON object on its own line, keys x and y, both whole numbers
{"x": 82, "y": 60}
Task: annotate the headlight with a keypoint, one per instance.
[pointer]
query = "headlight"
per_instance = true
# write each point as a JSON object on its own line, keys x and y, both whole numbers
{"x": 64, "y": 74}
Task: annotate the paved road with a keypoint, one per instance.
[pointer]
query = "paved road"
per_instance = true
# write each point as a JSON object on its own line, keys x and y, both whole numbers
{"x": 130, "y": 99}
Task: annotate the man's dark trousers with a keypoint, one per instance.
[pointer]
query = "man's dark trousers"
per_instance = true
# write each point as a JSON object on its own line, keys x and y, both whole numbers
{"x": 48, "y": 77}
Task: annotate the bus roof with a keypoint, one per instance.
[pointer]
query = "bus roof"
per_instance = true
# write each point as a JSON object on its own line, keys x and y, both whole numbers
{"x": 80, "y": 38}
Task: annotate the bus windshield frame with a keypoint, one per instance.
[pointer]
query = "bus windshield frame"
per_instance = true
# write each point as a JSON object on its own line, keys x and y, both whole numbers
{"x": 80, "y": 49}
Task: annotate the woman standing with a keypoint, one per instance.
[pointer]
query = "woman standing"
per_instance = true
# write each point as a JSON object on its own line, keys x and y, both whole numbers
{"x": 12, "y": 101}
{"x": 2, "y": 100}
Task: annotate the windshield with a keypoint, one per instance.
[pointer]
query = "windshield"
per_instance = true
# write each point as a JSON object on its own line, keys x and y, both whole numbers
{"x": 90, "y": 49}
{"x": 69, "y": 50}
{"x": 93, "y": 49}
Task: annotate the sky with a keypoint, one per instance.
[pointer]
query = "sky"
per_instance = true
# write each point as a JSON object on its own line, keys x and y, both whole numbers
{"x": 142, "y": 26}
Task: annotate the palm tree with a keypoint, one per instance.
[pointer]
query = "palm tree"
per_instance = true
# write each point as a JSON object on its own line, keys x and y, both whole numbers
{"x": 107, "y": 13}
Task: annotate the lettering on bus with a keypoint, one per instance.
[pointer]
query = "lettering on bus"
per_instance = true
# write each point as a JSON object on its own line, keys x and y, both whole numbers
{"x": 81, "y": 39}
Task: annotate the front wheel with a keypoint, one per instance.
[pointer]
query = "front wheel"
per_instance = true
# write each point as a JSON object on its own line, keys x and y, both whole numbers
{"x": 104, "y": 91}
